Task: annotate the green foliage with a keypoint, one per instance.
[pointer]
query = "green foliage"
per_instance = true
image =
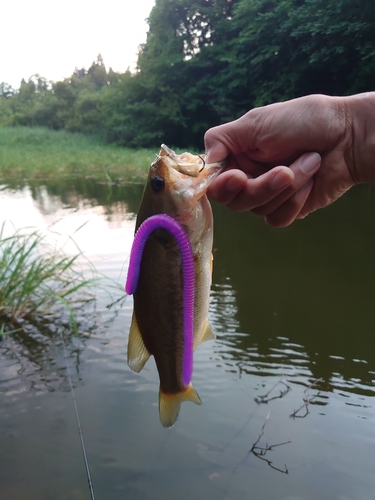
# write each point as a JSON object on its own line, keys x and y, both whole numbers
{"x": 36, "y": 152}
{"x": 39, "y": 284}
{"x": 205, "y": 62}
{"x": 36, "y": 280}
{"x": 283, "y": 49}
{"x": 6, "y": 91}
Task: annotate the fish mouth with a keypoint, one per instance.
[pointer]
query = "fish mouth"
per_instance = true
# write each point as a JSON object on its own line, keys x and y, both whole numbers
{"x": 190, "y": 171}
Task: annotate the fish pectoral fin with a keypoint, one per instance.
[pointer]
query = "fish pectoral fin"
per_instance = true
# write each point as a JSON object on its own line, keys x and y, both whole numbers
{"x": 208, "y": 333}
{"x": 138, "y": 353}
{"x": 169, "y": 404}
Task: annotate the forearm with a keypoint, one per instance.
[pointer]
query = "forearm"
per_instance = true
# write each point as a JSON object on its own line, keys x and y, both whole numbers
{"x": 360, "y": 116}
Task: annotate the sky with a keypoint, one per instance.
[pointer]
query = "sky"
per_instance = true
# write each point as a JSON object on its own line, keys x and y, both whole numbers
{"x": 51, "y": 38}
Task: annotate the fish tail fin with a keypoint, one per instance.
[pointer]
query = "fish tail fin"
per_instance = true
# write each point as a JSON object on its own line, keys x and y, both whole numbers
{"x": 169, "y": 404}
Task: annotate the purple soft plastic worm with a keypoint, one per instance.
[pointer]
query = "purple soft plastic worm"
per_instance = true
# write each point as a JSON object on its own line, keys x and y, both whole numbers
{"x": 144, "y": 231}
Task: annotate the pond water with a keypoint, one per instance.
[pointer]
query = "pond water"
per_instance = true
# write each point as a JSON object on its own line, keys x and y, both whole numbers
{"x": 293, "y": 364}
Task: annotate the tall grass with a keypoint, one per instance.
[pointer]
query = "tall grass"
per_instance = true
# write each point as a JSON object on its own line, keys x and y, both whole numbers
{"x": 41, "y": 153}
{"x": 37, "y": 281}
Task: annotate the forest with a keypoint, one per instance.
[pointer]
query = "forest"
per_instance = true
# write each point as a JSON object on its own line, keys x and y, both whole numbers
{"x": 206, "y": 62}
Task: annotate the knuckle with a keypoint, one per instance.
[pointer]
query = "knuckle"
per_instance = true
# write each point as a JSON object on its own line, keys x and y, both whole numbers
{"x": 210, "y": 136}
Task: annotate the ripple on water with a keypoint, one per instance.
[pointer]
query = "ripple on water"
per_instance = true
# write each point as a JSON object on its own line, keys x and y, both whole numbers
{"x": 239, "y": 376}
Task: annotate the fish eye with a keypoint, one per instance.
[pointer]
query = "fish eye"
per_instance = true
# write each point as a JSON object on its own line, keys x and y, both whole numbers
{"x": 157, "y": 183}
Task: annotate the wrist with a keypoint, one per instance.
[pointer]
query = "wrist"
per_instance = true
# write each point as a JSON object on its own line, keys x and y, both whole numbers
{"x": 360, "y": 118}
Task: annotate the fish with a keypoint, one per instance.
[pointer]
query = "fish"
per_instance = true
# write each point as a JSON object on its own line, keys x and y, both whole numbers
{"x": 176, "y": 186}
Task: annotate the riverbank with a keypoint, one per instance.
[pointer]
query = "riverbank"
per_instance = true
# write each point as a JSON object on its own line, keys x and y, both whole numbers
{"x": 41, "y": 153}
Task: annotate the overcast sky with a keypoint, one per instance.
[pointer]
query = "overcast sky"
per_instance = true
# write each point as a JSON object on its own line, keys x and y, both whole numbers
{"x": 51, "y": 38}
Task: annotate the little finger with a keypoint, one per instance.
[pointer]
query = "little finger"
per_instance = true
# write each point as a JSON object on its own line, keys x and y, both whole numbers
{"x": 291, "y": 209}
{"x": 303, "y": 169}
{"x": 261, "y": 190}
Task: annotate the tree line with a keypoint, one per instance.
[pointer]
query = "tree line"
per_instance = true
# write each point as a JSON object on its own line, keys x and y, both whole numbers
{"x": 206, "y": 62}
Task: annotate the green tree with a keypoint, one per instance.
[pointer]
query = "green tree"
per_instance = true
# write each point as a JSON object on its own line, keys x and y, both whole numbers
{"x": 286, "y": 48}
{"x": 97, "y": 73}
{"x": 165, "y": 100}
{"x": 6, "y": 90}
{"x": 205, "y": 62}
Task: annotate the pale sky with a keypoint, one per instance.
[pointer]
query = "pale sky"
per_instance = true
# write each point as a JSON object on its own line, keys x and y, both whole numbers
{"x": 51, "y": 38}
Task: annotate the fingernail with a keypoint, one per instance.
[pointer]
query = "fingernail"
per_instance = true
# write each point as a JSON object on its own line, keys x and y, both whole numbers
{"x": 215, "y": 154}
{"x": 310, "y": 163}
{"x": 207, "y": 155}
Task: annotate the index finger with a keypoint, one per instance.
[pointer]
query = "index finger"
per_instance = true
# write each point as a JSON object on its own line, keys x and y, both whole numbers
{"x": 216, "y": 150}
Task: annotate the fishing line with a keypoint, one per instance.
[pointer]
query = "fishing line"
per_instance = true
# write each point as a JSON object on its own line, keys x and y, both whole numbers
{"x": 78, "y": 422}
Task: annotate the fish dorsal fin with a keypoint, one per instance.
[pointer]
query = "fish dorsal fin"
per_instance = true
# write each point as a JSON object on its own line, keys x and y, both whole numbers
{"x": 169, "y": 404}
{"x": 137, "y": 351}
{"x": 208, "y": 333}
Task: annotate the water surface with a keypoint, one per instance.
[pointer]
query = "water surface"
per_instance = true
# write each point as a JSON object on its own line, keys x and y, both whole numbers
{"x": 294, "y": 316}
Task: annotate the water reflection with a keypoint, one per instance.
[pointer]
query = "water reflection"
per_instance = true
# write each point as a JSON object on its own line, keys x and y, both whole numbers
{"x": 303, "y": 296}
{"x": 117, "y": 200}
{"x": 291, "y": 308}
{"x": 296, "y": 302}
{"x": 31, "y": 351}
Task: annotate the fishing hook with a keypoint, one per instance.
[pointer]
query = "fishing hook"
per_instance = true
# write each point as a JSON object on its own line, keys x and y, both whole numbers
{"x": 204, "y": 163}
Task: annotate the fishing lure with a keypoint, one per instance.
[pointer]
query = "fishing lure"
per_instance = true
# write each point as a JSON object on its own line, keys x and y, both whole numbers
{"x": 150, "y": 225}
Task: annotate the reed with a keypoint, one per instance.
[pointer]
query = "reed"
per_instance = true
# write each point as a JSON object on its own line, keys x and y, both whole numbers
{"x": 41, "y": 153}
{"x": 37, "y": 281}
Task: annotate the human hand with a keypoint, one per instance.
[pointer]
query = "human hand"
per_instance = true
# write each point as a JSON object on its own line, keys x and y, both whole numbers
{"x": 285, "y": 160}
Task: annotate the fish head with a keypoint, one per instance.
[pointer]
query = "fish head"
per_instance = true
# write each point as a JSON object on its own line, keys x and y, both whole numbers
{"x": 177, "y": 185}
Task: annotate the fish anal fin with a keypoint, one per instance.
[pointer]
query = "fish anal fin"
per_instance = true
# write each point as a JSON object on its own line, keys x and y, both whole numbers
{"x": 169, "y": 404}
{"x": 137, "y": 351}
{"x": 208, "y": 334}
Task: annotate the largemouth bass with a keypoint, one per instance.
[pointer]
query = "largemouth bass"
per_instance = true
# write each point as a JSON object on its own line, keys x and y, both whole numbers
{"x": 176, "y": 186}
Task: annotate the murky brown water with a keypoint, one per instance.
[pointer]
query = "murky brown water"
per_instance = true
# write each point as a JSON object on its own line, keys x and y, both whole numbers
{"x": 289, "y": 307}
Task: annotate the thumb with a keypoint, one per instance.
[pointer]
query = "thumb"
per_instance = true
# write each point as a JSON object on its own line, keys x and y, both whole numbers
{"x": 215, "y": 149}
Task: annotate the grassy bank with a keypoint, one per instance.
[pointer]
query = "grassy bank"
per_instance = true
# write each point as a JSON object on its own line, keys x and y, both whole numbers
{"x": 40, "y": 153}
